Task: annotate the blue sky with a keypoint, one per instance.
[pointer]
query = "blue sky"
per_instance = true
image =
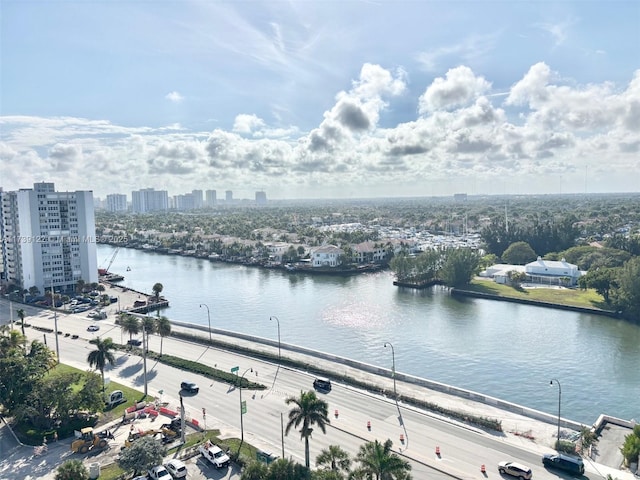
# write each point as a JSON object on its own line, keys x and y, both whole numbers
{"x": 321, "y": 99}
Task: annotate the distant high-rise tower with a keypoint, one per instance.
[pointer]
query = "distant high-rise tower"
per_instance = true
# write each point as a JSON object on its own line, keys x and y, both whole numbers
{"x": 228, "y": 196}
{"x": 48, "y": 238}
{"x": 149, "y": 200}
{"x": 116, "y": 202}
{"x": 197, "y": 199}
{"x": 261, "y": 198}
{"x": 210, "y": 198}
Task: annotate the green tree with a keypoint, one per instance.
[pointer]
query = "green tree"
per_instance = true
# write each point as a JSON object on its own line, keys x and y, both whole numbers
{"x": 459, "y": 267}
{"x": 72, "y": 470}
{"x": 334, "y": 458}
{"x": 602, "y": 280}
{"x": 519, "y": 253}
{"x": 130, "y": 324}
{"x": 157, "y": 290}
{"x": 631, "y": 447}
{"x": 378, "y": 462}
{"x": 628, "y": 292}
{"x": 163, "y": 327}
{"x": 148, "y": 327}
{"x": 142, "y": 455}
{"x": 286, "y": 469}
{"x": 308, "y": 411}
{"x": 255, "y": 471}
{"x": 102, "y": 355}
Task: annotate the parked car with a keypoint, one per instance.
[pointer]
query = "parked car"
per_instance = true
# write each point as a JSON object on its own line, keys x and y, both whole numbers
{"x": 93, "y": 328}
{"x": 134, "y": 342}
{"x": 515, "y": 470}
{"x": 567, "y": 463}
{"x": 190, "y": 387}
{"x": 176, "y": 468}
{"x": 159, "y": 473}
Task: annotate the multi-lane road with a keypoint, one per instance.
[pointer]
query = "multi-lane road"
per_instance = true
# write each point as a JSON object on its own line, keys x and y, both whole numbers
{"x": 463, "y": 449}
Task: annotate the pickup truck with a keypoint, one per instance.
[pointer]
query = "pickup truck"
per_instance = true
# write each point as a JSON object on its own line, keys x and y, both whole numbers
{"x": 214, "y": 454}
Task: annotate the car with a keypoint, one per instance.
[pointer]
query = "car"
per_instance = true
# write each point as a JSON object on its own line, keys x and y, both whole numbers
{"x": 134, "y": 342}
{"x": 515, "y": 470}
{"x": 93, "y": 328}
{"x": 190, "y": 387}
{"x": 567, "y": 463}
{"x": 322, "y": 384}
{"x": 176, "y": 468}
{"x": 159, "y": 473}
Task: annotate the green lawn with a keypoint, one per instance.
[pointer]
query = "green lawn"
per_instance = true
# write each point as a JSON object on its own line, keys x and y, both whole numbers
{"x": 562, "y": 296}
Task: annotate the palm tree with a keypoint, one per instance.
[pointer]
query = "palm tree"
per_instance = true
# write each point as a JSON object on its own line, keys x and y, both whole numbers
{"x": 130, "y": 325}
{"x": 163, "y": 327}
{"x": 148, "y": 327}
{"x": 309, "y": 410}
{"x": 378, "y": 462}
{"x": 101, "y": 355}
{"x": 72, "y": 470}
{"x": 335, "y": 458}
{"x": 157, "y": 290}
{"x": 20, "y": 313}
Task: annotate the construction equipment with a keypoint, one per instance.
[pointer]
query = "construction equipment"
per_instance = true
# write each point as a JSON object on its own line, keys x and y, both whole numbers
{"x": 133, "y": 435}
{"x": 90, "y": 440}
{"x": 105, "y": 271}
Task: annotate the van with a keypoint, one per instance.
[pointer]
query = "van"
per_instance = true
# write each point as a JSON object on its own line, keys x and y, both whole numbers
{"x": 322, "y": 384}
{"x": 563, "y": 462}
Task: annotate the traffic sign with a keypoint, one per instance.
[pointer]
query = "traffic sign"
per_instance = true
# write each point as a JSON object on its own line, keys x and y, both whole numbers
{"x": 235, "y": 369}
{"x": 243, "y": 407}
{"x": 204, "y": 412}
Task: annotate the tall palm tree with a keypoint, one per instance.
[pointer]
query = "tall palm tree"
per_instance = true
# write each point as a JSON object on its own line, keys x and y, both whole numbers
{"x": 163, "y": 327}
{"x": 21, "y": 314}
{"x": 130, "y": 324}
{"x": 102, "y": 355}
{"x": 308, "y": 410}
{"x": 157, "y": 289}
{"x": 378, "y": 462}
{"x": 335, "y": 458}
{"x": 149, "y": 326}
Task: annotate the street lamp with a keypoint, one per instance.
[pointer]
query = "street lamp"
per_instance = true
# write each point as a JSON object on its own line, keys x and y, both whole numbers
{"x": 393, "y": 368}
{"x": 276, "y": 318}
{"x": 208, "y": 318}
{"x": 243, "y": 408}
{"x": 559, "y": 400}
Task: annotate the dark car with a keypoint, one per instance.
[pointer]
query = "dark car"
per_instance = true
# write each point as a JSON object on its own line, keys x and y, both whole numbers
{"x": 564, "y": 462}
{"x": 322, "y": 384}
{"x": 190, "y": 387}
{"x": 134, "y": 342}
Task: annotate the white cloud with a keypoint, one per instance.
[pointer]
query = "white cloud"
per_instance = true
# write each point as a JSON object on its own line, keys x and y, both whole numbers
{"x": 245, "y": 123}
{"x": 459, "y": 88}
{"x": 174, "y": 97}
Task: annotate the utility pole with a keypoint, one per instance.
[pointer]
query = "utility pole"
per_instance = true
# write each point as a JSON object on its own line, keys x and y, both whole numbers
{"x": 144, "y": 358}
{"x": 55, "y": 322}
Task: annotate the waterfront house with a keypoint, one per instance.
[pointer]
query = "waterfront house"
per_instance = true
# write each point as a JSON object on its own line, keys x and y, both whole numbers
{"x": 369, "y": 252}
{"x": 326, "y": 256}
{"x": 552, "y": 272}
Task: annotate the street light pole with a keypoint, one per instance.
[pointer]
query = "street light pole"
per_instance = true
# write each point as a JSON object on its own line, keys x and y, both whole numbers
{"x": 208, "y": 318}
{"x": 559, "y": 402}
{"x": 241, "y": 409}
{"x": 144, "y": 356}
{"x": 279, "y": 357}
{"x": 393, "y": 368}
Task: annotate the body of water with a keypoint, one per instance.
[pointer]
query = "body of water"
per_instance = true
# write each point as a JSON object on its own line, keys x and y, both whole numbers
{"x": 501, "y": 349}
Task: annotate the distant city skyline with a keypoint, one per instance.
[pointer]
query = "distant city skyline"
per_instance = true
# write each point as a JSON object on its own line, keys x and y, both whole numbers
{"x": 308, "y": 100}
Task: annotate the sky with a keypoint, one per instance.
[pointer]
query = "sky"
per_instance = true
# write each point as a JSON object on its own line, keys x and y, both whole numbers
{"x": 321, "y": 99}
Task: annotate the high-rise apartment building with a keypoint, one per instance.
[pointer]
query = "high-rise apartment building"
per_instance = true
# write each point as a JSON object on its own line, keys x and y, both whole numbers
{"x": 116, "y": 202}
{"x": 228, "y": 196}
{"x": 198, "y": 200}
{"x": 261, "y": 198}
{"x": 210, "y": 198}
{"x": 48, "y": 238}
{"x": 149, "y": 200}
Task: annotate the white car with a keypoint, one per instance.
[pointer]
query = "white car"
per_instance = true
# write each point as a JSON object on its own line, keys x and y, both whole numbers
{"x": 159, "y": 473}
{"x": 176, "y": 468}
{"x": 93, "y": 328}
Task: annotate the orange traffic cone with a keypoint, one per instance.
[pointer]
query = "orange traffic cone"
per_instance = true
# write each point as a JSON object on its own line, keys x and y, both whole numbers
{"x": 483, "y": 469}
{"x": 438, "y": 451}
{"x": 402, "y": 438}
{"x": 369, "y": 425}
{"x": 336, "y": 413}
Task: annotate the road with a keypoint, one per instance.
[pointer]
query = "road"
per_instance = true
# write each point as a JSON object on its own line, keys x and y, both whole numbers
{"x": 463, "y": 449}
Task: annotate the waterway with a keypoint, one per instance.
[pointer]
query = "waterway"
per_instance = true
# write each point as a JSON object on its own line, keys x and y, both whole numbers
{"x": 501, "y": 349}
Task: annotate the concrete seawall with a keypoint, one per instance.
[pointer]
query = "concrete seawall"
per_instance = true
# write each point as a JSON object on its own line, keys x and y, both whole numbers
{"x": 383, "y": 372}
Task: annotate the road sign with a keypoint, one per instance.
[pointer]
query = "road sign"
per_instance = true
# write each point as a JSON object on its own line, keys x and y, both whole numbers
{"x": 243, "y": 408}
{"x": 235, "y": 369}
{"x": 204, "y": 411}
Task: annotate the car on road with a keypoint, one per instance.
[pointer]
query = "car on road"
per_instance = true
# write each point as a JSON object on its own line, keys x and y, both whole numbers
{"x": 134, "y": 342}
{"x": 322, "y": 384}
{"x": 159, "y": 473}
{"x": 567, "y": 463}
{"x": 176, "y": 468}
{"x": 93, "y": 328}
{"x": 190, "y": 387}
{"x": 515, "y": 470}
